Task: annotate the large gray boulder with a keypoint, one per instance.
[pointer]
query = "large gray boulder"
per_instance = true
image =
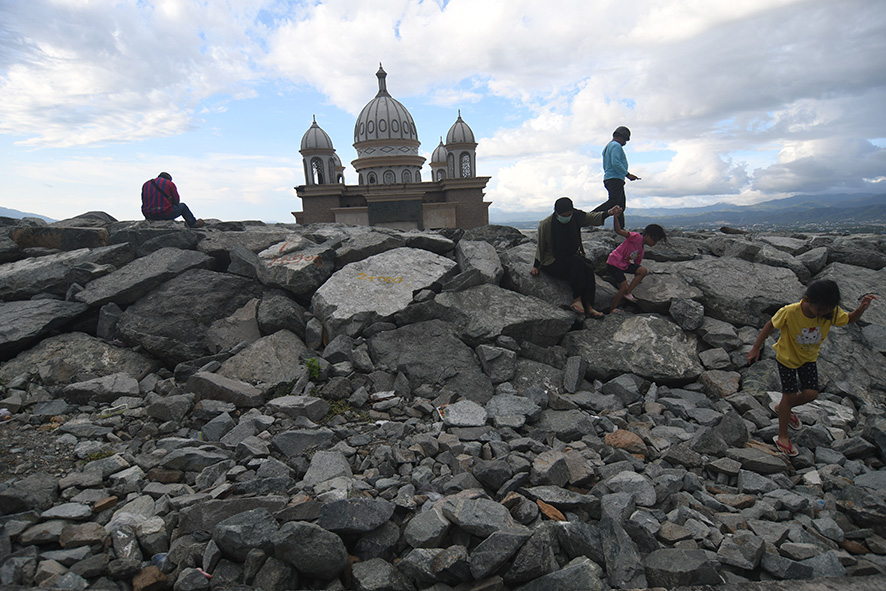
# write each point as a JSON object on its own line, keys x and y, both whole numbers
{"x": 725, "y": 284}
{"x": 64, "y": 358}
{"x": 376, "y": 288}
{"x": 650, "y": 346}
{"x": 171, "y": 322}
{"x": 431, "y": 353}
{"x": 55, "y": 273}
{"x": 127, "y": 284}
{"x": 486, "y": 311}
{"x": 517, "y": 262}
{"x": 297, "y": 265}
{"x": 270, "y": 360}
{"x": 480, "y": 257}
{"x": 23, "y": 323}
{"x": 855, "y": 282}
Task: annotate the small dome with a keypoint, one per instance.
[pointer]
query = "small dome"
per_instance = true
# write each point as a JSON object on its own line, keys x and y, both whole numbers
{"x": 460, "y": 133}
{"x": 315, "y": 138}
{"x": 440, "y": 154}
{"x": 384, "y": 117}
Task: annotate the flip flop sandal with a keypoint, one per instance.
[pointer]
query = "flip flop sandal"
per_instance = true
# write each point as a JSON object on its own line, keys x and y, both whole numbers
{"x": 788, "y": 450}
{"x": 793, "y": 422}
{"x": 630, "y": 297}
{"x": 577, "y": 309}
{"x": 596, "y": 315}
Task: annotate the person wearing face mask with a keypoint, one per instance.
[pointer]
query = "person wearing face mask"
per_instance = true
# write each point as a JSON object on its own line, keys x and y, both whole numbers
{"x": 559, "y": 252}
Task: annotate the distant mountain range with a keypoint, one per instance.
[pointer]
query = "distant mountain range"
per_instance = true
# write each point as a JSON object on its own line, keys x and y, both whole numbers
{"x": 856, "y": 212}
{"x": 17, "y": 215}
{"x": 800, "y": 212}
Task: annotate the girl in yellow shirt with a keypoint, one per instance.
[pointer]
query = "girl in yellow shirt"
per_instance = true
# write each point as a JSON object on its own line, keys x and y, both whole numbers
{"x": 804, "y": 327}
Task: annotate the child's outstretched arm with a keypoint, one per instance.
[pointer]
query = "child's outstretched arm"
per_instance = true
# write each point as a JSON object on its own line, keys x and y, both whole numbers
{"x": 865, "y": 302}
{"x": 616, "y": 225}
{"x": 754, "y": 353}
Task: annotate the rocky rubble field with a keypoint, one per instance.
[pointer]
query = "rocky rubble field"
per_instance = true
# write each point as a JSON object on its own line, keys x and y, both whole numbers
{"x": 331, "y": 407}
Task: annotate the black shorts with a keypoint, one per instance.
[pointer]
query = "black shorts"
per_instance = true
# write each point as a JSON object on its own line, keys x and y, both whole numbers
{"x": 808, "y": 377}
{"x": 619, "y": 275}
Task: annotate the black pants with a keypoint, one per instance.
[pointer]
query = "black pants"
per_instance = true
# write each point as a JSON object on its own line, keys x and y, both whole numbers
{"x": 616, "y": 189}
{"x": 579, "y": 273}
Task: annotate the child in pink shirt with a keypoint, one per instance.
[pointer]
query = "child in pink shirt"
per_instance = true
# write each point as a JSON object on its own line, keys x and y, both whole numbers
{"x": 626, "y": 258}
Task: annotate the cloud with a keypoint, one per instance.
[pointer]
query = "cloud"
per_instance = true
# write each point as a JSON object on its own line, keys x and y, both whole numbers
{"x": 116, "y": 71}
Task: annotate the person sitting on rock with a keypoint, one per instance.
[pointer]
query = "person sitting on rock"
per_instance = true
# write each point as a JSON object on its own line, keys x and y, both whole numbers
{"x": 160, "y": 201}
{"x": 626, "y": 258}
{"x": 804, "y": 327}
{"x": 559, "y": 252}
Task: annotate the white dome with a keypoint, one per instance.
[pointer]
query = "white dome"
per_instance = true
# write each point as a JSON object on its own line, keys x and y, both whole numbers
{"x": 384, "y": 117}
{"x": 460, "y": 133}
{"x": 316, "y": 139}
{"x": 440, "y": 154}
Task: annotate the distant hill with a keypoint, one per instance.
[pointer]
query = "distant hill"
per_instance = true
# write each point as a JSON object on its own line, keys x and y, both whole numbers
{"x": 800, "y": 212}
{"x": 17, "y": 215}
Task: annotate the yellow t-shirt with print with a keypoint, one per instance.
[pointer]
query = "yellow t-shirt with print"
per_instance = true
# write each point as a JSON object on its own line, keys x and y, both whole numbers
{"x": 801, "y": 337}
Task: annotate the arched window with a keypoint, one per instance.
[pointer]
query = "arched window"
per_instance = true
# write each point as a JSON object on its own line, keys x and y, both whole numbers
{"x": 441, "y": 174}
{"x": 317, "y": 171}
{"x": 360, "y": 179}
{"x": 331, "y": 169}
{"x": 465, "y": 165}
{"x": 389, "y": 177}
{"x": 450, "y": 164}
{"x": 372, "y": 179}
{"x": 407, "y": 176}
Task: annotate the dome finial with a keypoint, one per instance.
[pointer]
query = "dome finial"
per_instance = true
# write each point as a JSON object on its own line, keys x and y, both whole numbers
{"x": 315, "y": 119}
{"x": 382, "y": 86}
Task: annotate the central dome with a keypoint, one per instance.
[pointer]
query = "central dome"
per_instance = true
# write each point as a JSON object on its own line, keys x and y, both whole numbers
{"x": 384, "y": 117}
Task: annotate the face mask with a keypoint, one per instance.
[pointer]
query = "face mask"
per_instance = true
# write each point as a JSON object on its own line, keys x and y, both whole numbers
{"x": 564, "y": 219}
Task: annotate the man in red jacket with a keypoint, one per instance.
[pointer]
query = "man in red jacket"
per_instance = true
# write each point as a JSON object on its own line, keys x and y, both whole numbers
{"x": 160, "y": 201}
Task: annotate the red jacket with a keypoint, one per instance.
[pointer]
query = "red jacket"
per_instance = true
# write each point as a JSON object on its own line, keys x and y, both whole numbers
{"x": 154, "y": 203}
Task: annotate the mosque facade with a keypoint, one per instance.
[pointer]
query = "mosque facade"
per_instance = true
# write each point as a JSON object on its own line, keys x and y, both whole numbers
{"x": 389, "y": 190}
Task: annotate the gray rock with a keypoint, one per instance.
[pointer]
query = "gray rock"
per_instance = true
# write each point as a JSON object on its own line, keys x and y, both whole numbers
{"x": 168, "y": 324}
{"x": 487, "y": 311}
{"x": 431, "y": 353}
{"x": 464, "y": 413}
{"x": 270, "y": 360}
{"x": 300, "y": 406}
{"x": 673, "y": 567}
{"x": 480, "y": 256}
{"x": 378, "y": 575}
{"x": 326, "y": 465}
{"x": 216, "y": 387}
{"x": 193, "y": 459}
{"x": 37, "y": 491}
{"x": 62, "y": 359}
{"x": 649, "y": 346}
{"x": 480, "y": 517}
{"x": 497, "y": 363}
{"x": 55, "y": 273}
{"x": 236, "y": 535}
{"x": 688, "y": 314}
{"x": 580, "y": 573}
{"x": 724, "y": 282}
{"x": 134, "y": 280}
{"x": 105, "y": 389}
{"x": 355, "y": 516}
{"x": 385, "y": 284}
{"x": 296, "y": 441}
{"x": 534, "y": 559}
{"x": 310, "y": 549}
{"x": 24, "y": 323}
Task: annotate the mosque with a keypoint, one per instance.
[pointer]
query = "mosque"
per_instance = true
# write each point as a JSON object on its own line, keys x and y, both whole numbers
{"x": 389, "y": 190}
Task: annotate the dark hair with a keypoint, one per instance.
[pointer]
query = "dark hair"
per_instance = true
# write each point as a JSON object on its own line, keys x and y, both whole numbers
{"x": 655, "y": 232}
{"x": 563, "y": 204}
{"x": 823, "y": 292}
{"x": 165, "y": 175}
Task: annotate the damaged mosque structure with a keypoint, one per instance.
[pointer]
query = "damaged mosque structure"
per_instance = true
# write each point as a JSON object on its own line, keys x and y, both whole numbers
{"x": 389, "y": 190}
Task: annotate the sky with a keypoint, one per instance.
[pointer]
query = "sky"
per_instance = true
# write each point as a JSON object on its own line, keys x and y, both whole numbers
{"x": 727, "y": 101}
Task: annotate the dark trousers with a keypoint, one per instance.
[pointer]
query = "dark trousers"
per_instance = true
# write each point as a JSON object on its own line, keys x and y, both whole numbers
{"x": 578, "y": 272}
{"x": 616, "y": 189}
